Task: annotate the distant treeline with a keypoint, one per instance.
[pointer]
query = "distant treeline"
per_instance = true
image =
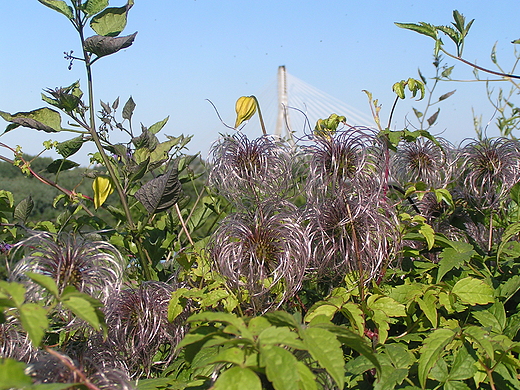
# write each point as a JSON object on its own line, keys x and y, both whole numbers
{"x": 22, "y": 186}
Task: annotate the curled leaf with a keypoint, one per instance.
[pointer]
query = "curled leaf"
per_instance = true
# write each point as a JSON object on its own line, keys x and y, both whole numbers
{"x": 41, "y": 119}
{"x": 104, "y": 46}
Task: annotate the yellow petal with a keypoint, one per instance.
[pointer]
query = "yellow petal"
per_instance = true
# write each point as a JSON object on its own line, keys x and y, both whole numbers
{"x": 102, "y": 187}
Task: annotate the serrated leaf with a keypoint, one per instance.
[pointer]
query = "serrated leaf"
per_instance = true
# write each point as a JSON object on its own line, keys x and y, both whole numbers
{"x": 15, "y": 290}
{"x": 60, "y": 6}
{"x": 307, "y": 378}
{"x": 281, "y": 367}
{"x": 355, "y": 316}
{"x": 92, "y": 7}
{"x": 431, "y": 350}
{"x": 161, "y": 193}
{"x": 103, "y": 46}
{"x": 12, "y": 375}
{"x": 428, "y": 304}
{"x": 111, "y": 21}
{"x": 60, "y": 165}
{"x": 233, "y": 355}
{"x": 473, "y": 291}
{"x": 280, "y": 336}
{"x": 44, "y": 119}
{"x": 511, "y": 231}
{"x": 238, "y": 378}
{"x": 23, "y": 209}
{"x": 387, "y": 305}
{"x": 34, "y": 321}
{"x": 323, "y": 309}
{"x": 480, "y": 337}
{"x": 428, "y": 233}
{"x": 69, "y": 147}
{"x": 494, "y": 317}
{"x": 84, "y": 309}
{"x": 463, "y": 366}
{"x": 421, "y": 28}
{"x": 45, "y": 281}
{"x": 102, "y": 186}
{"x": 450, "y": 259}
{"x": 325, "y": 348}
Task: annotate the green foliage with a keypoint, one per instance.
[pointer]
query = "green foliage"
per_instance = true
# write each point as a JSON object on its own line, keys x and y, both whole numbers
{"x": 440, "y": 309}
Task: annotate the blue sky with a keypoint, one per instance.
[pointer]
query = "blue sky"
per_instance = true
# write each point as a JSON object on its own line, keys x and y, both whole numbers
{"x": 188, "y": 51}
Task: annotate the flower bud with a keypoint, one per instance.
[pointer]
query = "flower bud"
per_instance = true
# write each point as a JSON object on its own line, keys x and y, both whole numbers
{"x": 245, "y": 108}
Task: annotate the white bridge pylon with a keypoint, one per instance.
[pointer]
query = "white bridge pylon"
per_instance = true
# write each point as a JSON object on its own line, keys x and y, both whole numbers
{"x": 291, "y": 106}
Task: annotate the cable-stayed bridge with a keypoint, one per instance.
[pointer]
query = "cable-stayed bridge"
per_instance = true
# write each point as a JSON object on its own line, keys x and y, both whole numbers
{"x": 289, "y": 104}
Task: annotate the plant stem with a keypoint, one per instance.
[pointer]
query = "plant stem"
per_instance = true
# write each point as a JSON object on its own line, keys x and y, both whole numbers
{"x": 506, "y": 75}
{"x": 143, "y": 257}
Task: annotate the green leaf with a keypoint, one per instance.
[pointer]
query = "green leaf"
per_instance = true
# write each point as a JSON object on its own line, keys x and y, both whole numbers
{"x": 398, "y": 88}
{"x": 45, "y": 281}
{"x": 428, "y": 305}
{"x": 421, "y": 28}
{"x": 494, "y": 317}
{"x": 41, "y": 119}
{"x": 326, "y": 349}
{"x": 428, "y": 233}
{"x": 175, "y": 307}
{"x": 431, "y": 351}
{"x": 281, "y": 367}
{"x": 12, "y": 375}
{"x": 15, "y": 290}
{"x": 388, "y": 305}
{"x": 307, "y": 378}
{"x": 355, "y": 316}
{"x": 511, "y": 231}
{"x": 69, "y": 147}
{"x": 60, "y": 6}
{"x": 280, "y": 336}
{"x": 232, "y": 355}
{"x": 238, "y": 378}
{"x": 225, "y": 318}
{"x": 92, "y": 7}
{"x": 23, "y": 209}
{"x": 463, "y": 366}
{"x": 34, "y": 321}
{"x": 480, "y": 337}
{"x": 473, "y": 291}
{"x": 282, "y": 318}
{"x": 156, "y": 127}
{"x": 321, "y": 309}
{"x": 128, "y": 108}
{"x": 161, "y": 193}
{"x": 450, "y": 259}
{"x": 86, "y": 308}
{"x": 111, "y": 21}
{"x": 60, "y": 165}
